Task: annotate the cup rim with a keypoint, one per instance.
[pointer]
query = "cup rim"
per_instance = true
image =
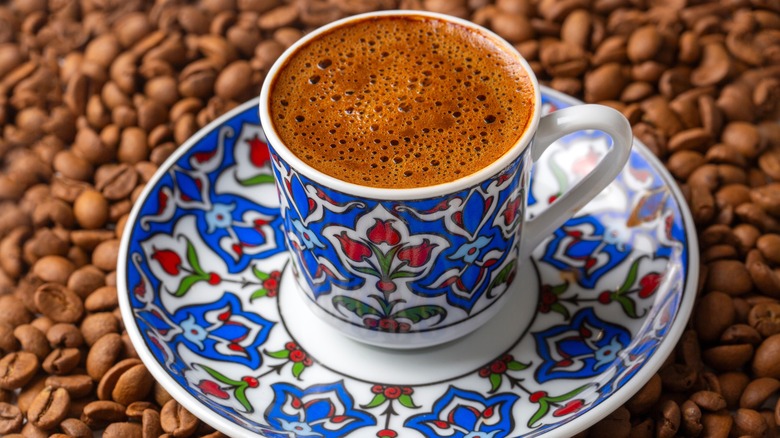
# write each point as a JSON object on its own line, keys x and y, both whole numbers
{"x": 384, "y": 193}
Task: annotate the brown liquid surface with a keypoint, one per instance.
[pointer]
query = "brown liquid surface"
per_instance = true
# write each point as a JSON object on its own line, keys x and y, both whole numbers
{"x": 401, "y": 102}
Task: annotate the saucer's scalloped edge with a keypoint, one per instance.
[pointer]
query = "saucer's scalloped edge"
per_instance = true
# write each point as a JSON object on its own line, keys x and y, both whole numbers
{"x": 569, "y": 428}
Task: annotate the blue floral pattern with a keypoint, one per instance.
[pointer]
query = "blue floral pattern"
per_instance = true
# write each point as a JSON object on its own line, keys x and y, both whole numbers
{"x": 204, "y": 258}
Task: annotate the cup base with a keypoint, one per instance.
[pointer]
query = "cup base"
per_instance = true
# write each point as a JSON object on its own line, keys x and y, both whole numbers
{"x": 367, "y": 357}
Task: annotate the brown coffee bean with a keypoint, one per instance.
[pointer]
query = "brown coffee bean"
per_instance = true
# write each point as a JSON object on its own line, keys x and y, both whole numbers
{"x": 123, "y": 430}
{"x": 644, "y": 43}
{"x": 765, "y": 363}
{"x": 49, "y": 408}
{"x": 75, "y": 428}
{"x": 65, "y": 336}
{"x": 33, "y": 340}
{"x": 713, "y": 314}
{"x": 103, "y": 355}
{"x": 716, "y": 424}
{"x": 669, "y": 421}
{"x": 748, "y": 422}
{"x": 133, "y": 385}
{"x": 105, "y": 255}
{"x": 13, "y": 312}
{"x": 606, "y": 82}
{"x": 758, "y": 391}
{"x": 53, "y": 268}
{"x": 178, "y": 421}
{"x": 729, "y": 276}
{"x": 743, "y": 137}
{"x": 11, "y": 419}
{"x": 714, "y": 67}
{"x": 135, "y": 410}
{"x": 111, "y": 377}
{"x": 96, "y": 325}
{"x": 765, "y": 317}
{"x": 682, "y": 163}
{"x": 708, "y": 400}
{"x": 150, "y": 422}
{"x": 77, "y": 385}
{"x": 59, "y": 303}
{"x": 690, "y": 418}
{"x": 116, "y": 182}
{"x": 17, "y": 369}
{"x": 234, "y": 82}
{"x": 133, "y": 146}
{"x": 102, "y": 299}
{"x": 769, "y": 245}
{"x": 91, "y": 209}
{"x": 728, "y": 357}
{"x": 741, "y": 334}
{"x": 678, "y": 377}
{"x": 62, "y": 361}
{"x": 101, "y": 412}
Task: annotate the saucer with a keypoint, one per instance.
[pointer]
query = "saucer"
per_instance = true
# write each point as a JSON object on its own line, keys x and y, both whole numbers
{"x": 210, "y": 305}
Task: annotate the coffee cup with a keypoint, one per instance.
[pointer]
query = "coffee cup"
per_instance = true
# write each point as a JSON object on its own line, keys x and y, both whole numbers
{"x": 402, "y": 143}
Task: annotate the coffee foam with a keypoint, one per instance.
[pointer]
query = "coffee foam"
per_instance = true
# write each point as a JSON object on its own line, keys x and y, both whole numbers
{"x": 401, "y": 102}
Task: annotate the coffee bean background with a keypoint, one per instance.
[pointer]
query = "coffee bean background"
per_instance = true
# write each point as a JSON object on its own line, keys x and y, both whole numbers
{"x": 95, "y": 94}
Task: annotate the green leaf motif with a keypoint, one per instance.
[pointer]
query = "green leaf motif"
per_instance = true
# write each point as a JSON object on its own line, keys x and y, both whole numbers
{"x": 376, "y": 401}
{"x": 192, "y": 258}
{"x": 568, "y": 395}
{"x": 355, "y": 306}
{"x": 221, "y": 377}
{"x": 281, "y": 354}
{"x": 257, "y": 180}
{"x": 517, "y": 366}
{"x": 259, "y": 274}
{"x": 407, "y": 402}
{"x": 631, "y": 278}
{"x": 402, "y": 274}
{"x": 495, "y": 382}
{"x": 241, "y": 397}
{"x": 187, "y": 282}
{"x": 260, "y": 293}
{"x": 560, "y": 308}
{"x": 560, "y": 289}
{"x": 503, "y": 275}
{"x": 544, "y": 407}
{"x": 419, "y": 313}
{"x": 297, "y": 369}
{"x": 628, "y": 305}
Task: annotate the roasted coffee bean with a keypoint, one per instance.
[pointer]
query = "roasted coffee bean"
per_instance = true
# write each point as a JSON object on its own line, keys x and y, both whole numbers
{"x": 765, "y": 363}
{"x": 59, "y": 303}
{"x": 16, "y": 369}
{"x": 62, "y": 361}
{"x": 176, "y": 420}
{"x": 101, "y": 412}
{"x": 150, "y": 422}
{"x": 133, "y": 385}
{"x": 103, "y": 355}
{"x": 49, "y": 408}
{"x": 75, "y": 428}
{"x": 77, "y": 385}
{"x": 11, "y": 419}
{"x": 111, "y": 377}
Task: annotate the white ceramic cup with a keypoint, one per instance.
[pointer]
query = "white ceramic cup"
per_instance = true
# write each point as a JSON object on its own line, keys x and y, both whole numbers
{"x": 385, "y": 267}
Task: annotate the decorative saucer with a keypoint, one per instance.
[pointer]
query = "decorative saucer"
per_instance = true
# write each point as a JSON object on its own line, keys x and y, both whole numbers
{"x": 214, "y": 314}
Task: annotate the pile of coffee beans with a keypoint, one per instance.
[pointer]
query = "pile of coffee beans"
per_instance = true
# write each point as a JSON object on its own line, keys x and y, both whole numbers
{"x": 96, "y": 94}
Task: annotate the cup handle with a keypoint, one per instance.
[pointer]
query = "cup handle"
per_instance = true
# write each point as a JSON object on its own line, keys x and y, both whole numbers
{"x": 558, "y": 124}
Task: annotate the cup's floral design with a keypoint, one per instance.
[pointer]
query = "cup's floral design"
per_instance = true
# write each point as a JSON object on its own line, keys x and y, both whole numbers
{"x": 385, "y": 267}
{"x": 223, "y": 343}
